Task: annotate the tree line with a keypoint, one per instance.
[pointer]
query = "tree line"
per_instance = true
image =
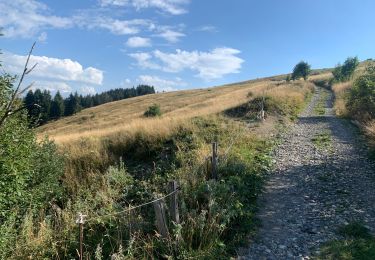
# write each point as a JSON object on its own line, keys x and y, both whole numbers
{"x": 42, "y": 107}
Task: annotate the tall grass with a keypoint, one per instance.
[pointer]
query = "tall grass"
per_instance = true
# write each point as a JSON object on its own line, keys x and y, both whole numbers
{"x": 341, "y": 91}
{"x": 125, "y": 163}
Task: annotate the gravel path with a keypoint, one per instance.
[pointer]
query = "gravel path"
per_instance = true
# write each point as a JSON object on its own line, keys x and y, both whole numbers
{"x": 314, "y": 189}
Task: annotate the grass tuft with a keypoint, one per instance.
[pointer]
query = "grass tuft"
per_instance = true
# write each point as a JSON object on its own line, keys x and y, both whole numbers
{"x": 358, "y": 243}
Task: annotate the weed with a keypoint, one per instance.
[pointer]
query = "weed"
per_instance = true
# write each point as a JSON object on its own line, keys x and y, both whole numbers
{"x": 322, "y": 140}
{"x": 358, "y": 243}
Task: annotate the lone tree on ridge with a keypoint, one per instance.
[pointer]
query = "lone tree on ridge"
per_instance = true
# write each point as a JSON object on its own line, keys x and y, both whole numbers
{"x": 302, "y": 69}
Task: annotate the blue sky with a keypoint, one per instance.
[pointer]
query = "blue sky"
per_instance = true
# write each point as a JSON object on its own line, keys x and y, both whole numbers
{"x": 93, "y": 45}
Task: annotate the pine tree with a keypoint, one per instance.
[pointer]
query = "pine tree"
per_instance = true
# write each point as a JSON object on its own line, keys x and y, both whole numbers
{"x": 72, "y": 105}
{"x": 45, "y": 106}
{"x": 57, "y": 106}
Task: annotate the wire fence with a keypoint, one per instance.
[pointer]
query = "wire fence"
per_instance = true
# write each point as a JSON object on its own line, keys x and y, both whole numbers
{"x": 209, "y": 164}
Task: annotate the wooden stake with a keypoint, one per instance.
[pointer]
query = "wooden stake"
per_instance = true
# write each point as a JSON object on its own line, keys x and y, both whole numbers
{"x": 214, "y": 161}
{"x": 173, "y": 187}
{"x": 81, "y": 220}
{"x": 161, "y": 222}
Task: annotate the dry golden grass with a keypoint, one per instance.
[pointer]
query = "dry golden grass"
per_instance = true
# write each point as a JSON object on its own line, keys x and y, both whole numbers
{"x": 95, "y": 138}
{"x": 90, "y": 136}
{"x": 340, "y": 89}
{"x": 323, "y": 76}
{"x": 370, "y": 130}
{"x": 127, "y": 115}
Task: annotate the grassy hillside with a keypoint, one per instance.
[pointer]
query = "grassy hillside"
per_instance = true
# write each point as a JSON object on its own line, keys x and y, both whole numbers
{"x": 127, "y": 115}
{"x": 115, "y": 157}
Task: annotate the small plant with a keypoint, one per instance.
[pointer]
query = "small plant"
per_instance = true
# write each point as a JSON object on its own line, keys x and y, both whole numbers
{"x": 287, "y": 78}
{"x": 322, "y": 140}
{"x": 153, "y": 110}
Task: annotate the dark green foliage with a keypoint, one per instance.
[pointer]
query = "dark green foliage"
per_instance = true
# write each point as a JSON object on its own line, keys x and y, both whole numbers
{"x": 72, "y": 105}
{"x": 29, "y": 171}
{"x": 38, "y": 105}
{"x": 57, "y": 107}
{"x": 301, "y": 70}
{"x": 361, "y": 99}
{"x": 358, "y": 243}
{"x": 153, "y": 110}
{"x": 345, "y": 72}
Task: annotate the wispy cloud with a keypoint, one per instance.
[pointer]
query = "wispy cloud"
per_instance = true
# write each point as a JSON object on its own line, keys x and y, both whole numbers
{"x": 31, "y": 19}
{"x": 144, "y": 60}
{"x": 42, "y": 37}
{"x": 207, "y": 28}
{"x": 52, "y": 86}
{"x": 161, "y": 84}
{"x": 138, "y": 42}
{"x": 170, "y": 35}
{"x": 208, "y": 65}
{"x": 94, "y": 20}
{"x": 87, "y": 90}
{"x": 27, "y": 18}
{"x": 174, "y": 7}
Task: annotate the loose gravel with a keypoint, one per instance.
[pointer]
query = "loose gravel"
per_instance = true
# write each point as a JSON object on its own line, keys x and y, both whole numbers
{"x": 313, "y": 190}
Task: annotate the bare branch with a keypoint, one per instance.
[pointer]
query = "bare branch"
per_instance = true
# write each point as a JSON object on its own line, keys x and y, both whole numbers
{"x": 27, "y": 88}
{"x": 30, "y": 70}
{"x": 9, "y": 107}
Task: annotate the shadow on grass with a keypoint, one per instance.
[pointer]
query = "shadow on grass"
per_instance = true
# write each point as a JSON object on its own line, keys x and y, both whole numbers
{"x": 358, "y": 243}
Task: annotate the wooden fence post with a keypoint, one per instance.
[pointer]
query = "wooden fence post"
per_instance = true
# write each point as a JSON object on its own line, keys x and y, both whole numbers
{"x": 214, "y": 161}
{"x": 161, "y": 222}
{"x": 262, "y": 109}
{"x": 81, "y": 220}
{"x": 173, "y": 187}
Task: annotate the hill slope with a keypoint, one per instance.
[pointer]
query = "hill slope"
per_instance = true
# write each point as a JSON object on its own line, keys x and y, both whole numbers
{"x": 127, "y": 114}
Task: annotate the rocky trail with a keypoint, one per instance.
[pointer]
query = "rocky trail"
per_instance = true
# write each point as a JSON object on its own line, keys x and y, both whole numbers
{"x": 322, "y": 180}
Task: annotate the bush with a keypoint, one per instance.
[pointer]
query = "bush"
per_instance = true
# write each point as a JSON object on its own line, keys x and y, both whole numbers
{"x": 153, "y": 111}
{"x": 345, "y": 72}
{"x": 361, "y": 101}
{"x": 30, "y": 174}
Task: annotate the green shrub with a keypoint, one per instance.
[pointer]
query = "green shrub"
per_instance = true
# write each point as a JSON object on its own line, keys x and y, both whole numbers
{"x": 30, "y": 174}
{"x": 346, "y": 71}
{"x": 153, "y": 110}
{"x": 361, "y": 99}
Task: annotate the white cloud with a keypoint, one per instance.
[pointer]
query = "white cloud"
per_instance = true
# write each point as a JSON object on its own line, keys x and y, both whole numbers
{"x": 161, "y": 84}
{"x": 86, "y": 90}
{"x": 207, "y": 28}
{"x": 138, "y": 42}
{"x": 52, "y": 86}
{"x": 26, "y": 18}
{"x": 144, "y": 60}
{"x": 174, "y": 7}
{"x": 170, "y": 35}
{"x": 53, "y": 68}
{"x": 94, "y": 20}
{"x": 42, "y": 37}
{"x": 126, "y": 83}
{"x": 208, "y": 65}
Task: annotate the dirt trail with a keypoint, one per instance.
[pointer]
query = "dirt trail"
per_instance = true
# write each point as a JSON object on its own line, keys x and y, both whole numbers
{"x": 316, "y": 186}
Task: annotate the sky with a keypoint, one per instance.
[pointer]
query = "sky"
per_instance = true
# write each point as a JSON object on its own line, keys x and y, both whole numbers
{"x": 90, "y": 46}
